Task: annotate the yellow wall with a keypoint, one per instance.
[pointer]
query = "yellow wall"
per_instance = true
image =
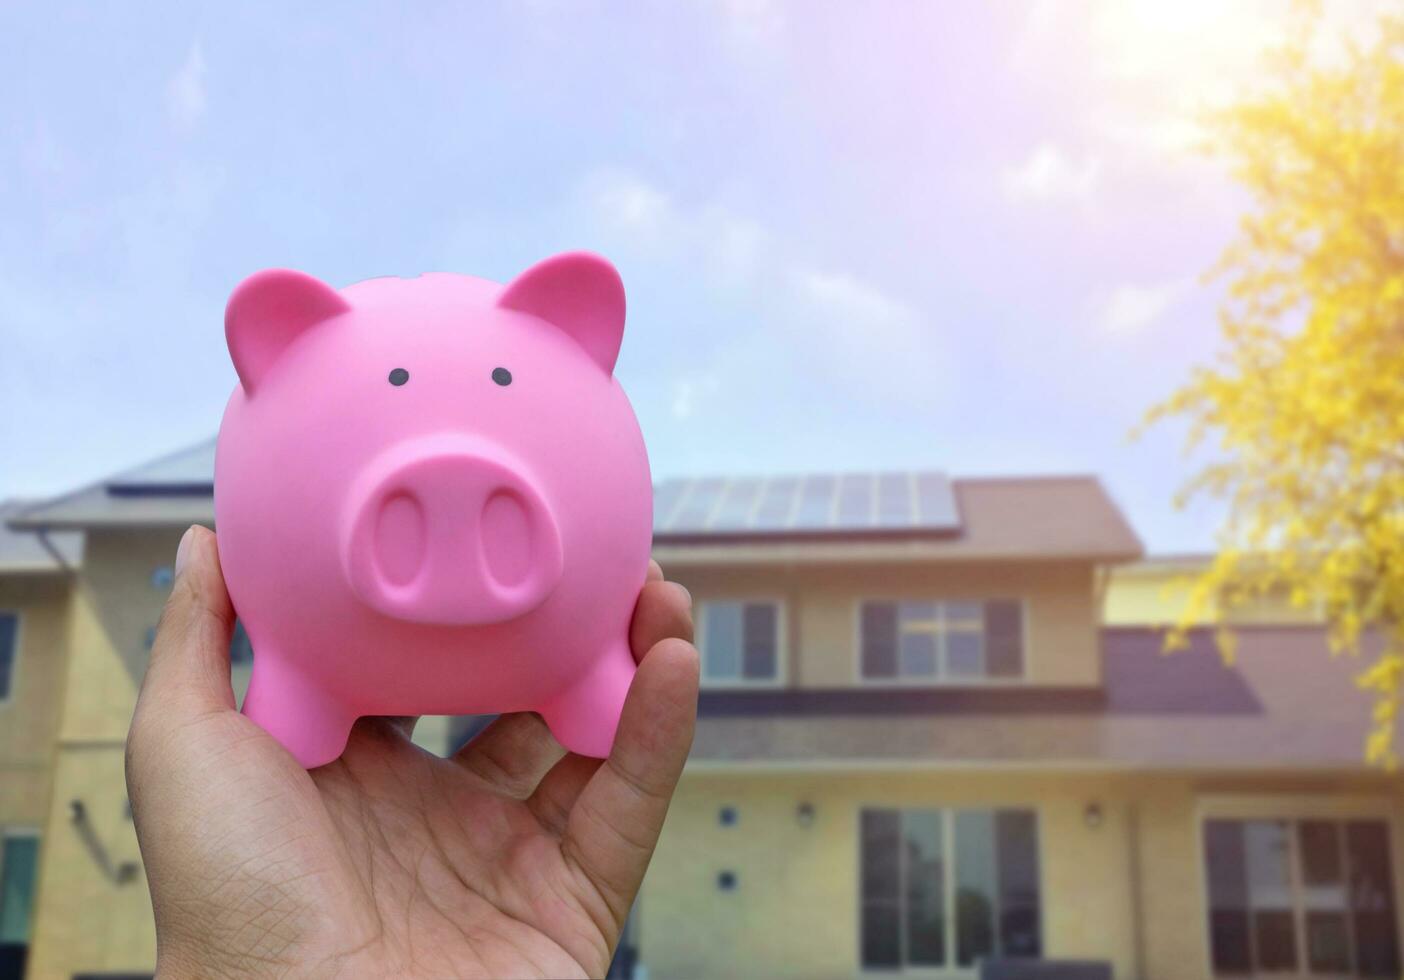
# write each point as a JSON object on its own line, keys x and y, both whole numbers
{"x": 29, "y": 717}
{"x": 1172, "y": 811}
{"x": 795, "y": 909}
{"x": 86, "y": 921}
{"x": 1155, "y": 593}
{"x": 821, "y": 605}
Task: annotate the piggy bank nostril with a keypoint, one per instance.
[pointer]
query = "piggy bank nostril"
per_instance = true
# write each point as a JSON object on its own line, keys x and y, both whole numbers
{"x": 400, "y": 538}
{"x": 506, "y": 538}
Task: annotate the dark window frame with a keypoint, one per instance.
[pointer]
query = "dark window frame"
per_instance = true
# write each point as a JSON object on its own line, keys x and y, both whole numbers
{"x": 1360, "y": 873}
{"x": 11, "y": 623}
{"x": 31, "y": 835}
{"x": 749, "y": 609}
{"x": 1003, "y": 632}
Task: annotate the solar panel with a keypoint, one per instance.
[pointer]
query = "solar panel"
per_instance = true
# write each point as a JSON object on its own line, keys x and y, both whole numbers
{"x": 698, "y": 499}
{"x": 665, "y": 500}
{"x": 813, "y": 504}
{"x": 737, "y": 502}
{"x": 855, "y": 502}
{"x": 815, "y": 507}
{"x": 776, "y": 504}
{"x": 935, "y": 500}
{"x": 894, "y": 500}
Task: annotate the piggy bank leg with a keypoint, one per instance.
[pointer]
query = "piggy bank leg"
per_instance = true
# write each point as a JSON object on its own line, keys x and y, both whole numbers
{"x": 300, "y": 714}
{"x": 584, "y": 717}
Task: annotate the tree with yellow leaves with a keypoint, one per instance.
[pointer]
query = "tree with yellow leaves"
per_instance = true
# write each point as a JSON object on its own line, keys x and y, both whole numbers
{"x": 1303, "y": 409}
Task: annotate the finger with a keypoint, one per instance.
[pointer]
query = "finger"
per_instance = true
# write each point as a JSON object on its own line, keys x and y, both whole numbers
{"x": 404, "y": 724}
{"x": 511, "y": 754}
{"x": 655, "y": 571}
{"x": 189, "y": 666}
{"x": 660, "y": 614}
{"x": 611, "y": 832}
{"x": 559, "y": 789}
{"x": 664, "y": 611}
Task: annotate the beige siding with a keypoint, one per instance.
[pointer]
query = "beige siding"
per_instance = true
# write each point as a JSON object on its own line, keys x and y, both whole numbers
{"x": 86, "y": 921}
{"x": 1128, "y": 890}
{"x": 114, "y": 605}
{"x": 795, "y": 910}
{"x": 822, "y": 610}
{"x": 29, "y": 718}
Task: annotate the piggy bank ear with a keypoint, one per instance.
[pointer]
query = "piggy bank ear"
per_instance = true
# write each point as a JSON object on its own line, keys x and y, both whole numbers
{"x": 579, "y": 292}
{"x": 267, "y": 311}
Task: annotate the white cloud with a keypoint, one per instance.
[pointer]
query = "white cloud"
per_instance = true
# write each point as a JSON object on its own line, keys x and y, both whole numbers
{"x": 1131, "y": 308}
{"x": 856, "y": 336}
{"x": 855, "y": 307}
{"x": 1049, "y": 174}
{"x": 689, "y": 391}
{"x": 185, "y": 92}
{"x": 626, "y": 201}
{"x": 849, "y": 332}
{"x": 635, "y": 213}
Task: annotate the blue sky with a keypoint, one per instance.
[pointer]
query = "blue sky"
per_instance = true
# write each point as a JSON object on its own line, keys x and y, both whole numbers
{"x": 956, "y": 236}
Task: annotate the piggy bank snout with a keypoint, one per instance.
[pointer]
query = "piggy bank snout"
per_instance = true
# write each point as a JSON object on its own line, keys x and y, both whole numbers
{"x": 451, "y": 533}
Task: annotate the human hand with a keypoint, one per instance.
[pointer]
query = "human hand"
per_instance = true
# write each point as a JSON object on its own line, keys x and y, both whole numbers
{"x": 511, "y": 858}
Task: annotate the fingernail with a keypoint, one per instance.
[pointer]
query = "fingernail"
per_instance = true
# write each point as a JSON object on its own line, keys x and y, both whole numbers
{"x": 183, "y": 550}
{"x": 683, "y": 589}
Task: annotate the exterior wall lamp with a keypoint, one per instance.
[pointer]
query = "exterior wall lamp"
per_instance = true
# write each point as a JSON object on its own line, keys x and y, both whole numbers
{"x": 804, "y": 814}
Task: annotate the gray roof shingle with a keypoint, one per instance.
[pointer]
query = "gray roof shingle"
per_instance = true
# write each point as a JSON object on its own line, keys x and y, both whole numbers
{"x": 1286, "y": 703}
{"x": 984, "y": 518}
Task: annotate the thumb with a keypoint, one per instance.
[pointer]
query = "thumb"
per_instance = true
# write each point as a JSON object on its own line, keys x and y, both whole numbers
{"x": 189, "y": 668}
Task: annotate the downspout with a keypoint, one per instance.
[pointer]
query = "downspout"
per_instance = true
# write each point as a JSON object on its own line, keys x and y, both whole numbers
{"x": 42, "y": 533}
{"x": 1138, "y": 936}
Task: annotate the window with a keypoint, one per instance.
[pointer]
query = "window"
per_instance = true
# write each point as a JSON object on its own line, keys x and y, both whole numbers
{"x": 1301, "y": 896}
{"x": 947, "y": 887}
{"x": 19, "y": 860}
{"x": 740, "y": 642}
{"x": 941, "y": 641}
{"x": 9, "y": 650}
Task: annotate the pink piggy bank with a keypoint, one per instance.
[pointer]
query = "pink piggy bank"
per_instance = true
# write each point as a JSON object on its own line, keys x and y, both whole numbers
{"x": 433, "y": 497}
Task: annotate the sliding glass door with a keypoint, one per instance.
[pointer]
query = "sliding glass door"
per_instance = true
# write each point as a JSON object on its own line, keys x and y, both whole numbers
{"x": 942, "y": 888}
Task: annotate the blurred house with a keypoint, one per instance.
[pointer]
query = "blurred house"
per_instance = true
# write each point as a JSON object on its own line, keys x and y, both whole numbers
{"x": 936, "y": 729}
{"x": 35, "y": 578}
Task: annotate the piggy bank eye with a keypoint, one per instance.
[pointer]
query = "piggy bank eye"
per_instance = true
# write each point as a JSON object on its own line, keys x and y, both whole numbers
{"x": 502, "y": 376}
{"x": 398, "y": 377}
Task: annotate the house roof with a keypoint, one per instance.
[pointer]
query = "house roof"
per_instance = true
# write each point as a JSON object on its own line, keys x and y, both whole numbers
{"x": 918, "y": 516}
{"x": 24, "y": 553}
{"x": 173, "y": 490}
{"x": 1285, "y": 704}
{"x": 1031, "y": 517}
{"x": 814, "y": 504}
